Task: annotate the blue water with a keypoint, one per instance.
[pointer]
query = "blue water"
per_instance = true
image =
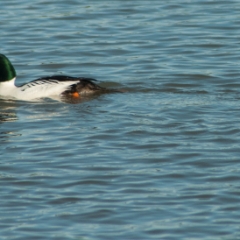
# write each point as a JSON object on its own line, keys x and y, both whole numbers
{"x": 160, "y": 161}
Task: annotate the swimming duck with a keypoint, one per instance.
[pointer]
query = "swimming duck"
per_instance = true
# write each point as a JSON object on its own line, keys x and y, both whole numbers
{"x": 46, "y": 87}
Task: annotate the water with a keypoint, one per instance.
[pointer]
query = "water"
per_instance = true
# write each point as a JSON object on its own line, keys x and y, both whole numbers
{"x": 160, "y": 161}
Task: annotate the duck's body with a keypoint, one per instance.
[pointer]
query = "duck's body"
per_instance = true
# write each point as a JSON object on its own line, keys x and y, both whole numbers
{"x": 50, "y": 87}
{"x": 43, "y": 87}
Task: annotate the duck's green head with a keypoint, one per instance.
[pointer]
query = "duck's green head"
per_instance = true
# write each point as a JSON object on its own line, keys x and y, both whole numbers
{"x": 7, "y": 71}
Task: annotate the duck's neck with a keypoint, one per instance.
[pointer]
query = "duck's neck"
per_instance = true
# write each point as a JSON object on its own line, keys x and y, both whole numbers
{"x": 8, "y": 88}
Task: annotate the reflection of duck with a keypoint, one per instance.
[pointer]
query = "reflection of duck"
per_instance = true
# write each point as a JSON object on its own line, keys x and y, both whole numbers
{"x": 64, "y": 86}
{"x": 7, "y": 116}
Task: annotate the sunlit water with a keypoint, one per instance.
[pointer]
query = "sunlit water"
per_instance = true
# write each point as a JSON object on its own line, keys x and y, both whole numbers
{"x": 160, "y": 161}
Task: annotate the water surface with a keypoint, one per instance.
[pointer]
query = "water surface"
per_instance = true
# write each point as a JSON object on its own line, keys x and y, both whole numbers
{"x": 160, "y": 161}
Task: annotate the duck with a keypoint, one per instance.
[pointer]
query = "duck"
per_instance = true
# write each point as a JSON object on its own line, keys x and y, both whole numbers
{"x": 45, "y": 87}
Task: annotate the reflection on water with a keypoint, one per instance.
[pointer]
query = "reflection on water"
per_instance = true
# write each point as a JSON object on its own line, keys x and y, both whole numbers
{"x": 7, "y": 114}
{"x": 7, "y": 117}
{"x": 7, "y": 111}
